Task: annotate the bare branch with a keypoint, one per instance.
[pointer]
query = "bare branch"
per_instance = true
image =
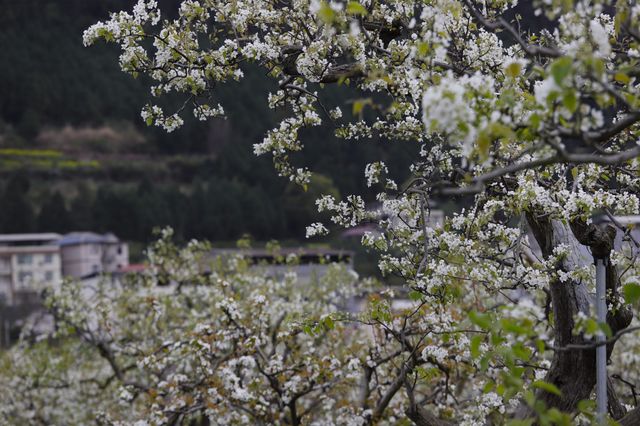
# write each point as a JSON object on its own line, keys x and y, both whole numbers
{"x": 586, "y": 346}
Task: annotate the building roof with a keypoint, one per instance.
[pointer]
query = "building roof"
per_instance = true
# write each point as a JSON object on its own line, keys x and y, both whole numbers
{"x": 29, "y": 249}
{"x": 133, "y": 268}
{"x": 77, "y": 238}
{"x": 22, "y": 239}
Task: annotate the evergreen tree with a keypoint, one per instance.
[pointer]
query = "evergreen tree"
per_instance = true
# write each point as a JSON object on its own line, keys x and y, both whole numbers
{"x": 54, "y": 216}
{"x": 16, "y": 212}
{"x": 82, "y": 208}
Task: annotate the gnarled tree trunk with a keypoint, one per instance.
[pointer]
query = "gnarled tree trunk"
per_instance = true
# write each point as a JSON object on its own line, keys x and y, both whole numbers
{"x": 574, "y": 371}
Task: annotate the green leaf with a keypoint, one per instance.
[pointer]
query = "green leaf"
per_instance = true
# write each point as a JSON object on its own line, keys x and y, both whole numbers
{"x": 586, "y": 406}
{"x": 604, "y": 327}
{"x": 546, "y": 386}
{"x": 535, "y": 120}
{"x": 521, "y": 352}
{"x": 514, "y": 69}
{"x": 423, "y": 48}
{"x": 492, "y": 132}
{"x": 559, "y": 418}
{"x": 621, "y": 77}
{"x": 591, "y": 326}
{"x": 484, "y": 364}
{"x": 512, "y": 326}
{"x": 475, "y": 345}
{"x": 484, "y": 143}
{"x": 529, "y": 397}
{"x": 574, "y": 172}
{"x": 328, "y": 322}
{"x": 621, "y": 17}
{"x": 481, "y": 320}
{"x": 631, "y": 292}
{"x": 415, "y": 295}
{"x": 560, "y": 69}
{"x": 598, "y": 66}
{"x": 358, "y": 105}
{"x": 570, "y": 101}
{"x": 355, "y": 8}
{"x": 326, "y": 14}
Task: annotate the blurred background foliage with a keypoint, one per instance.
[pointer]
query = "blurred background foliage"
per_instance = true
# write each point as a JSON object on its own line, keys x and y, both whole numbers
{"x": 75, "y": 154}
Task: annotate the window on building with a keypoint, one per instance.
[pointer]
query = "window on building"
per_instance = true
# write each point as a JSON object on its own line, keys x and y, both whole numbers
{"x": 48, "y": 258}
{"x": 25, "y": 259}
{"x": 25, "y": 277}
{"x": 95, "y": 248}
{"x": 48, "y": 276}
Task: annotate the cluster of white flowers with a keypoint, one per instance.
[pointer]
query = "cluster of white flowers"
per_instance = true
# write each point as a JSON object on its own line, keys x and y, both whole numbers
{"x": 316, "y": 229}
{"x": 440, "y": 354}
{"x": 155, "y": 115}
{"x": 373, "y": 171}
{"x": 346, "y": 213}
{"x": 204, "y": 112}
{"x": 450, "y": 107}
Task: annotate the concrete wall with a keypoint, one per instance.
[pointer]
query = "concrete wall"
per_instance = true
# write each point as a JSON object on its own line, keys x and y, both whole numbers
{"x": 82, "y": 260}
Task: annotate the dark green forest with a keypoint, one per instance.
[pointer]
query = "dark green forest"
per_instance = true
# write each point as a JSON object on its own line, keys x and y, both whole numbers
{"x": 75, "y": 155}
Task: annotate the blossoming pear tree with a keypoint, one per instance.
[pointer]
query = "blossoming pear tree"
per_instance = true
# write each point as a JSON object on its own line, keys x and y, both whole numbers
{"x": 533, "y": 121}
{"x": 176, "y": 346}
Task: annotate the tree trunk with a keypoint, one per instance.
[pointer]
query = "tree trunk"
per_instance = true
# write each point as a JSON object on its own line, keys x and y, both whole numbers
{"x": 421, "y": 417}
{"x": 573, "y": 371}
{"x": 632, "y": 418}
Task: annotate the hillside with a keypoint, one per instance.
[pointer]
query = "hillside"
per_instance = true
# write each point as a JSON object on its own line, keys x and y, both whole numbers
{"x": 71, "y": 137}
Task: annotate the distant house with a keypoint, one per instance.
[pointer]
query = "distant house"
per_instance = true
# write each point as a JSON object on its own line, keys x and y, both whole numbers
{"x": 30, "y": 262}
{"x": 27, "y": 261}
{"x": 86, "y": 254}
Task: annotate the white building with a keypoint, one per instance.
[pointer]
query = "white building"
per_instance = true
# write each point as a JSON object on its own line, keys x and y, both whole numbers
{"x": 86, "y": 254}
{"x": 28, "y": 262}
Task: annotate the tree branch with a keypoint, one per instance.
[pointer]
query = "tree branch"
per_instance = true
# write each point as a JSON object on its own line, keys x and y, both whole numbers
{"x": 421, "y": 417}
{"x": 616, "y": 409}
{"x": 478, "y": 183}
{"x": 333, "y": 74}
{"x": 501, "y": 23}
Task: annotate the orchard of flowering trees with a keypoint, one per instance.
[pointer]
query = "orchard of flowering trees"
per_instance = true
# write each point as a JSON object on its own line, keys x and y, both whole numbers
{"x": 533, "y": 114}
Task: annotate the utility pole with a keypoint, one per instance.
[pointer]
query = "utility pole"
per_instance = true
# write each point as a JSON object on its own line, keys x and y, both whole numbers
{"x": 601, "y": 349}
{"x": 600, "y": 238}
